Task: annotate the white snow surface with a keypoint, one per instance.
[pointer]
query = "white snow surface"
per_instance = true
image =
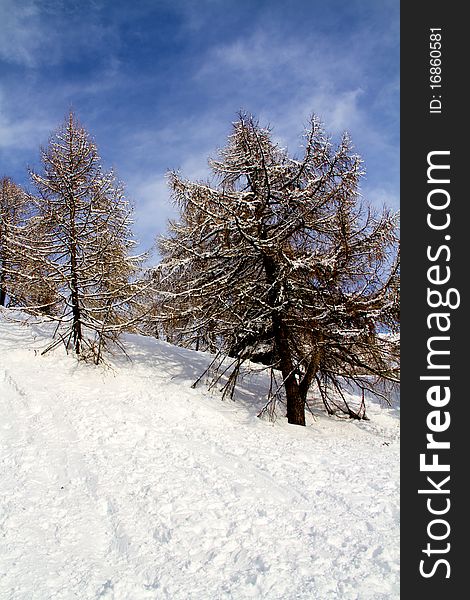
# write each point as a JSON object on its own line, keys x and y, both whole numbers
{"x": 122, "y": 482}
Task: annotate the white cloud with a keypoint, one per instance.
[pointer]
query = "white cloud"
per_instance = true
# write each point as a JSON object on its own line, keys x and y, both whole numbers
{"x": 281, "y": 79}
{"x": 21, "y": 36}
{"x": 152, "y": 207}
{"x": 152, "y": 195}
{"x": 18, "y": 132}
{"x": 285, "y": 80}
{"x": 35, "y": 33}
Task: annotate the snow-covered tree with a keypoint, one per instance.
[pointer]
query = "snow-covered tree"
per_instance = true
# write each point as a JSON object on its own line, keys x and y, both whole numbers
{"x": 86, "y": 241}
{"x": 16, "y": 262}
{"x": 280, "y": 253}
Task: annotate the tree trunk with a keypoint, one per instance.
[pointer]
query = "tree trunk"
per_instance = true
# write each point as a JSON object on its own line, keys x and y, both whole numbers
{"x": 295, "y": 407}
{"x": 72, "y": 201}
{"x": 295, "y": 402}
{"x": 312, "y": 369}
{"x": 76, "y": 317}
{"x": 3, "y": 291}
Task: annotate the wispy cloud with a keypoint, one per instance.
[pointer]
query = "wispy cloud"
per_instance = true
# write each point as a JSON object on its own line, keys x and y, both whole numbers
{"x": 21, "y": 36}
{"x": 36, "y": 33}
{"x": 158, "y": 83}
{"x": 287, "y": 79}
{"x": 16, "y": 133}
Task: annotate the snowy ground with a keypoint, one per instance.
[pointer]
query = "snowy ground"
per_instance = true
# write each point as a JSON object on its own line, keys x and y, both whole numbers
{"x": 124, "y": 483}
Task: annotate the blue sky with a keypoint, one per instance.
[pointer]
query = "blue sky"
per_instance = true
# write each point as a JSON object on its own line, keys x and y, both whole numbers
{"x": 158, "y": 83}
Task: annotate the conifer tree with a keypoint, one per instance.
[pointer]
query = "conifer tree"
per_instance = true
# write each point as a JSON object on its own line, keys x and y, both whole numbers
{"x": 282, "y": 252}
{"x": 15, "y": 260}
{"x": 86, "y": 241}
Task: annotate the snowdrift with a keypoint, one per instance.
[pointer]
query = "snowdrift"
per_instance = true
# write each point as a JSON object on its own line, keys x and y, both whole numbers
{"x": 122, "y": 482}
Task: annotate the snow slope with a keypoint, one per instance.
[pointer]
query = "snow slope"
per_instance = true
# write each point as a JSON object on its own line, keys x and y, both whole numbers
{"x": 123, "y": 483}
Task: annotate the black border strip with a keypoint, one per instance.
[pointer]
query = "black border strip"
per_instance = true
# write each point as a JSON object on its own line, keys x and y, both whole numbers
{"x": 422, "y": 132}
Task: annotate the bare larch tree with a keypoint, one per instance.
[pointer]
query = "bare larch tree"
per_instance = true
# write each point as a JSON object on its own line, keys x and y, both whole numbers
{"x": 282, "y": 252}
{"x": 16, "y": 261}
{"x": 86, "y": 241}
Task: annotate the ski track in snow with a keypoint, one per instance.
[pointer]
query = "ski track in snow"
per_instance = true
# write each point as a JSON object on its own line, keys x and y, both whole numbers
{"x": 125, "y": 483}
